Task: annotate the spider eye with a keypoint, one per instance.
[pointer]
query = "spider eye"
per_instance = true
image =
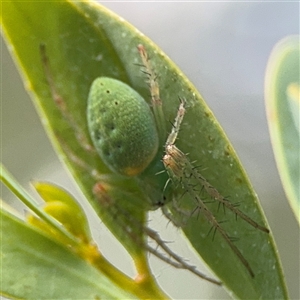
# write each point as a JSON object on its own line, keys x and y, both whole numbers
{"x": 121, "y": 126}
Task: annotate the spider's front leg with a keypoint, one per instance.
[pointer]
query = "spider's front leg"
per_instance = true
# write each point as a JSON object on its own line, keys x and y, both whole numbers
{"x": 182, "y": 172}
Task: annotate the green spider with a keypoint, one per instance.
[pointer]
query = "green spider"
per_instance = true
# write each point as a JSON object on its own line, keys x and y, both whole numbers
{"x": 126, "y": 133}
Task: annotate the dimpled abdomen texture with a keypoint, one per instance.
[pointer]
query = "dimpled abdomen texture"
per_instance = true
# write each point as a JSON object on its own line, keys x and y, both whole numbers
{"x": 121, "y": 126}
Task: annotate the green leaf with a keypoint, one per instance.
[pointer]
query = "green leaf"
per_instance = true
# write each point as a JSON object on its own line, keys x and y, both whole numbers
{"x": 33, "y": 266}
{"x": 282, "y": 93}
{"x": 85, "y": 41}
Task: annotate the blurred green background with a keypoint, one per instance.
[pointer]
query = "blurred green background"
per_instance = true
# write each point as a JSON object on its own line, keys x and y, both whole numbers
{"x": 223, "y": 48}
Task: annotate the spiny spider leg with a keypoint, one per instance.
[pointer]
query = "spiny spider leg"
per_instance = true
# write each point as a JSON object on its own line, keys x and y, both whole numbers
{"x": 194, "y": 173}
{"x": 181, "y": 263}
{"x": 218, "y": 197}
{"x": 154, "y": 90}
{"x": 181, "y": 170}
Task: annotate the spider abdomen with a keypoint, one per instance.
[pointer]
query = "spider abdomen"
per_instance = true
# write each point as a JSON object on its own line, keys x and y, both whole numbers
{"x": 121, "y": 126}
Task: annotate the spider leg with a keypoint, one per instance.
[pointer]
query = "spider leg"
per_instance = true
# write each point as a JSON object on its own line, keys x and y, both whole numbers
{"x": 215, "y": 195}
{"x": 182, "y": 171}
{"x": 177, "y": 164}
